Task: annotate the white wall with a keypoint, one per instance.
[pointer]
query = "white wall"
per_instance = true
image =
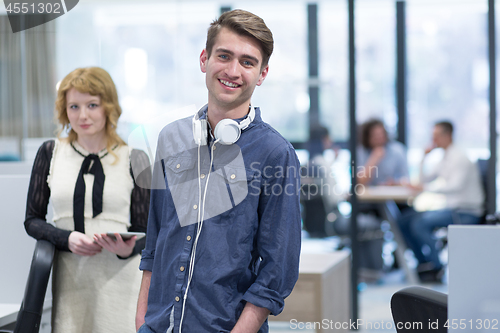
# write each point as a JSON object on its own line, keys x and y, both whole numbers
{"x": 16, "y": 247}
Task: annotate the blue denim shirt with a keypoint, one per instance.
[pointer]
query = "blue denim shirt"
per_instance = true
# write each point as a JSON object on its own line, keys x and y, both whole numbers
{"x": 249, "y": 253}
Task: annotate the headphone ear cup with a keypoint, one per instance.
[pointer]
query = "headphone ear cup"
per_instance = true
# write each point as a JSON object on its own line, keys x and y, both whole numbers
{"x": 200, "y": 131}
{"x": 203, "y": 132}
{"x": 227, "y": 131}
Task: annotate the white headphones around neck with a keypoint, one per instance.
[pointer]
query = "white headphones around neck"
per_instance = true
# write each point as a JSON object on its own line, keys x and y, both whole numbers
{"x": 226, "y": 132}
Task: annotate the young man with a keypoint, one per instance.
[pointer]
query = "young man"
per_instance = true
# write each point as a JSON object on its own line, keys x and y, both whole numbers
{"x": 223, "y": 243}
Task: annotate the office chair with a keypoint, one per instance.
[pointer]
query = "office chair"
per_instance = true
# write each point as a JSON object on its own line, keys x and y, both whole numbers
{"x": 483, "y": 171}
{"x": 313, "y": 208}
{"x": 413, "y": 305}
{"x": 314, "y": 214}
{"x": 30, "y": 313}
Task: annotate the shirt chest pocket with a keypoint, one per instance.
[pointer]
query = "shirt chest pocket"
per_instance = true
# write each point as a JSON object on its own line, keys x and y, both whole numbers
{"x": 236, "y": 182}
{"x": 179, "y": 170}
{"x": 227, "y": 194}
{"x": 206, "y": 195}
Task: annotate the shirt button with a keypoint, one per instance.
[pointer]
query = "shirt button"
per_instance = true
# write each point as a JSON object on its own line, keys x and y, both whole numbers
{"x": 182, "y": 268}
{"x": 202, "y": 176}
{"x": 178, "y": 166}
{"x": 233, "y": 176}
{"x": 195, "y": 207}
{"x": 188, "y": 238}
{"x": 177, "y": 298}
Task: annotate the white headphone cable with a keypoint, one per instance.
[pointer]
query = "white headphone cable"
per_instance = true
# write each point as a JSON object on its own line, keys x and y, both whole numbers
{"x": 199, "y": 227}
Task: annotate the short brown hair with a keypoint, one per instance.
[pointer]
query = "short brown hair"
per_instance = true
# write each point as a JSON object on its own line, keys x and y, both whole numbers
{"x": 446, "y": 126}
{"x": 97, "y": 82}
{"x": 246, "y": 24}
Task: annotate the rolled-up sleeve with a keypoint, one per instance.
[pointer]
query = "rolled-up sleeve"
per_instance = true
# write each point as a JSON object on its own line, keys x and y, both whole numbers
{"x": 278, "y": 236}
{"x": 157, "y": 200}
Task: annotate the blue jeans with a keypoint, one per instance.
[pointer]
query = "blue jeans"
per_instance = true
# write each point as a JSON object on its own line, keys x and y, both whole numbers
{"x": 145, "y": 329}
{"x": 417, "y": 230}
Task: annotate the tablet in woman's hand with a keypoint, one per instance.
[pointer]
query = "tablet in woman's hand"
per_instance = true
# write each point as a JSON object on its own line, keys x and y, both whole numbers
{"x": 127, "y": 235}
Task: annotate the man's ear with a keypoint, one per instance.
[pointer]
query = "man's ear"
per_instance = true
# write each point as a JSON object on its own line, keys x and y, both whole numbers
{"x": 263, "y": 75}
{"x": 203, "y": 60}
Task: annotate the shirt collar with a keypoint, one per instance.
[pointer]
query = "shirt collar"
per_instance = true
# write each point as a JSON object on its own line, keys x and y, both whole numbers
{"x": 255, "y": 121}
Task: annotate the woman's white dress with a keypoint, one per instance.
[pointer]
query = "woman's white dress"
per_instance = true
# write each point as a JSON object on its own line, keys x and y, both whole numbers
{"x": 98, "y": 293}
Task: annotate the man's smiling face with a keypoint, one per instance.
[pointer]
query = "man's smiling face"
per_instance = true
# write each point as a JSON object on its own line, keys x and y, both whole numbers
{"x": 233, "y": 69}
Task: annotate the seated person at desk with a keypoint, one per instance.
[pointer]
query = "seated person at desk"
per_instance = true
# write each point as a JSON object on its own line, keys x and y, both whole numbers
{"x": 458, "y": 180}
{"x": 88, "y": 175}
{"x": 380, "y": 161}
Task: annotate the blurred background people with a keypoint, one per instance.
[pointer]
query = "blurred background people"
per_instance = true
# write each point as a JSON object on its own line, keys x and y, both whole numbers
{"x": 320, "y": 194}
{"x": 380, "y": 161}
{"x": 458, "y": 180}
{"x": 89, "y": 179}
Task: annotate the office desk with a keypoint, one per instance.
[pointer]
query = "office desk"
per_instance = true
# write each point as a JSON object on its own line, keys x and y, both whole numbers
{"x": 322, "y": 291}
{"x": 387, "y": 196}
{"x": 380, "y": 194}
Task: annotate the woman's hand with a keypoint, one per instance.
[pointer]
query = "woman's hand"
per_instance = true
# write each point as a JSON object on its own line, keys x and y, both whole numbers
{"x": 80, "y": 244}
{"x": 416, "y": 188}
{"x": 118, "y": 246}
{"x": 376, "y": 155}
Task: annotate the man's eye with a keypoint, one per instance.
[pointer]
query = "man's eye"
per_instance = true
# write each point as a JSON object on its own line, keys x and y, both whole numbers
{"x": 223, "y": 56}
{"x": 247, "y": 63}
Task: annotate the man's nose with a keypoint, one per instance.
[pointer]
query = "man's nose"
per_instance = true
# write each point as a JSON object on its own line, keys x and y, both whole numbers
{"x": 232, "y": 69}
